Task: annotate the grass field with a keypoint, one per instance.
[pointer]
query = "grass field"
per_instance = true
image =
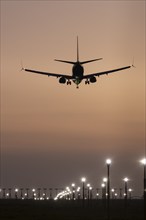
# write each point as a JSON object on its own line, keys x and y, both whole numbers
{"x": 70, "y": 210}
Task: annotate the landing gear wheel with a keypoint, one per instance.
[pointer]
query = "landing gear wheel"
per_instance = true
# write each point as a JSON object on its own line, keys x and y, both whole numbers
{"x": 68, "y": 83}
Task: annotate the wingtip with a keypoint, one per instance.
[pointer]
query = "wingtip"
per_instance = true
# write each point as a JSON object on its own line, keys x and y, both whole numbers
{"x": 133, "y": 66}
{"x": 133, "y": 63}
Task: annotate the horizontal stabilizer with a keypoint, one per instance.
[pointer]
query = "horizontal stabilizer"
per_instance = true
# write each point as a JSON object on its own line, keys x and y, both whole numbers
{"x": 88, "y": 61}
{"x": 64, "y": 61}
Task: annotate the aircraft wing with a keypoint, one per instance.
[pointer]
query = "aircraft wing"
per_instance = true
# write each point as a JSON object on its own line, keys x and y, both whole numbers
{"x": 105, "y": 72}
{"x": 49, "y": 74}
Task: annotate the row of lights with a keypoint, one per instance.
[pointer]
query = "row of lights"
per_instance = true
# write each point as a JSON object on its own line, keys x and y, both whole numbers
{"x": 74, "y": 192}
{"x": 67, "y": 191}
{"x": 36, "y": 193}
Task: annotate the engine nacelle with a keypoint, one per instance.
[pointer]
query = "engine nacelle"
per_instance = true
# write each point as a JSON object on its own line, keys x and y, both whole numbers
{"x": 93, "y": 79}
{"x": 62, "y": 80}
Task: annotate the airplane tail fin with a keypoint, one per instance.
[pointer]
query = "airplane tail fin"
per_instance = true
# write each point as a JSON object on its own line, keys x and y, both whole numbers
{"x": 71, "y": 62}
{"x": 83, "y": 62}
{"x": 77, "y": 50}
{"x": 88, "y": 61}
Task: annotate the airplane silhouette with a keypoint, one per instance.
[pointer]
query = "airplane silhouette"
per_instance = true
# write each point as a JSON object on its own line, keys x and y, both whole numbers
{"x": 77, "y": 72}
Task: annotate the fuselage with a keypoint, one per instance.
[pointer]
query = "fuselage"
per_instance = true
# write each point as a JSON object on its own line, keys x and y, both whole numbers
{"x": 77, "y": 73}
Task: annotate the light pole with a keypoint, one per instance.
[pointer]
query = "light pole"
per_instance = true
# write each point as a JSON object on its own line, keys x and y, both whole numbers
{"x": 68, "y": 193}
{"x": 27, "y": 194}
{"x": 83, "y": 181}
{"x": 73, "y": 191}
{"x": 78, "y": 193}
{"x": 33, "y": 193}
{"x": 21, "y": 194}
{"x": 113, "y": 190}
{"x": 4, "y": 193}
{"x": 103, "y": 190}
{"x": 105, "y": 181}
{"x": 50, "y": 189}
{"x": 125, "y": 195}
{"x": 45, "y": 193}
{"x": 39, "y": 193}
{"x": 56, "y": 190}
{"x": 120, "y": 193}
{"x": 126, "y": 181}
{"x": 88, "y": 187}
{"x": 130, "y": 192}
{"x": 16, "y": 193}
{"x": 143, "y": 161}
{"x": 108, "y": 163}
{"x": 97, "y": 193}
{"x": 10, "y": 196}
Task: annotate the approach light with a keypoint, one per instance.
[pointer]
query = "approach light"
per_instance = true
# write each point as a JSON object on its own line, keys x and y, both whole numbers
{"x": 104, "y": 179}
{"x": 78, "y": 189}
{"x": 102, "y": 185}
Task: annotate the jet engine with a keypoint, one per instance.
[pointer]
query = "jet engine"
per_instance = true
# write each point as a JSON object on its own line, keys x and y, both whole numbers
{"x": 62, "y": 80}
{"x": 93, "y": 79}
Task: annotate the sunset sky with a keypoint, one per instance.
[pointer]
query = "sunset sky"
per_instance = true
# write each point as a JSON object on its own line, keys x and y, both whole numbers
{"x": 53, "y": 134}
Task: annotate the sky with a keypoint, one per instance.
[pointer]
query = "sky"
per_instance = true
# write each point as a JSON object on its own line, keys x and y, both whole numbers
{"x": 53, "y": 134}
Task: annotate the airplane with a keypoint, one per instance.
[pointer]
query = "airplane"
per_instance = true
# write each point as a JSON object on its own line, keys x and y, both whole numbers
{"x": 77, "y": 72}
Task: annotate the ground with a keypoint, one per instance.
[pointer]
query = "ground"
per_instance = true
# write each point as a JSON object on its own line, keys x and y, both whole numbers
{"x": 70, "y": 210}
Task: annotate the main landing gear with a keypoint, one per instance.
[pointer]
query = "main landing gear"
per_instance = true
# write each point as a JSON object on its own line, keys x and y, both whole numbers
{"x": 87, "y": 82}
{"x": 68, "y": 82}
